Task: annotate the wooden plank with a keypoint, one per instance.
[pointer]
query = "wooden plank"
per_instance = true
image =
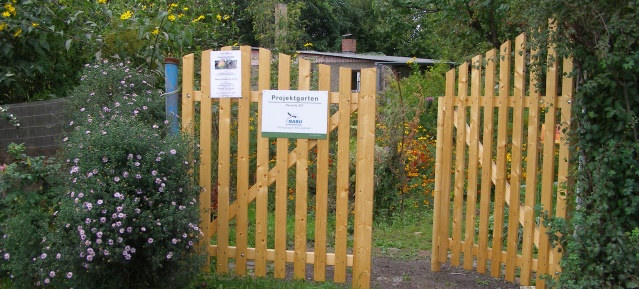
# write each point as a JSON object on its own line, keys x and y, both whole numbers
{"x": 321, "y": 194}
{"x": 500, "y": 176}
{"x": 223, "y": 182}
{"x": 487, "y": 159}
{"x": 550, "y": 103}
{"x": 548, "y": 169}
{"x": 188, "y": 109}
{"x": 281, "y": 188}
{"x": 565, "y": 182}
{"x": 447, "y": 160}
{"x": 473, "y": 162}
{"x": 460, "y": 164}
{"x": 243, "y": 143}
{"x": 301, "y": 183}
{"x": 531, "y": 178}
{"x": 517, "y": 148}
{"x": 301, "y": 214}
{"x": 435, "y": 262}
{"x": 206, "y": 127}
{"x": 290, "y": 255}
{"x": 364, "y": 183}
{"x": 262, "y": 169}
{"x": 343, "y": 175}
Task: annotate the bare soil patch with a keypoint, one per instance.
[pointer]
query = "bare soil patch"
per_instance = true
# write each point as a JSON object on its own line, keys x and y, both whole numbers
{"x": 415, "y": 273}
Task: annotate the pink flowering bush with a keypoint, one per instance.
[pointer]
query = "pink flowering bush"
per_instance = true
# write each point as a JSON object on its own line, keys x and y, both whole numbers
{"x": 128, "y": 214}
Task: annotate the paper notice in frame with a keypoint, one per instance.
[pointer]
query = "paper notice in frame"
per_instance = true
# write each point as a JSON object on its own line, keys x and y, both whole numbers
{"x": 226, "y": 74}
{"x": 295, "y": 114}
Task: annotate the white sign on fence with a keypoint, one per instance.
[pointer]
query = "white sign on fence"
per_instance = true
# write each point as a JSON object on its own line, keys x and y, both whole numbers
{"x": 226, "y": 74}
{"x": 295, "y": 114}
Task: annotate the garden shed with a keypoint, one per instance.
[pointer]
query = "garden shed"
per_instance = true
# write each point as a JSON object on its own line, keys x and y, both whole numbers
{"x": 387, "y": 66}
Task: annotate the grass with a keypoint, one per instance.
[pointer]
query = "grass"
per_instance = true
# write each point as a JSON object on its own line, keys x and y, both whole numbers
{"x": 214, "y": 281}
{"x": 290, "y": 229}
{"x": 403, "y": 236}
{"x": 409, "y": 232}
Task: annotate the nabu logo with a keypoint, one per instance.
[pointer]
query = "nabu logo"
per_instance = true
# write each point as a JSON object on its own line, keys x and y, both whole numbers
{"x": 292, "y": 119}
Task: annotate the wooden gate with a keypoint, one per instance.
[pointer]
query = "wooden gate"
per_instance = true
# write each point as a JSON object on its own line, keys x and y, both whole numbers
{"x": 510, "y": 177}
{"x": 239, "y": 144}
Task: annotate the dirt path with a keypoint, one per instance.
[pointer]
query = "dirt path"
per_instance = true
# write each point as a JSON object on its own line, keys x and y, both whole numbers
{"x": 403, "y": 269}
{"x": 415, "y": 273}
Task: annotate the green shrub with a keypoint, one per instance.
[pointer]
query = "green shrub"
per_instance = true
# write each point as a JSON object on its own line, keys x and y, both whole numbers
{"x": 128, "y": 211}
{"x": 43, "y": 44}
{"x": 601, "y": 37}
{"x": 27, "y": 200}
{"x": 111, "y": 91}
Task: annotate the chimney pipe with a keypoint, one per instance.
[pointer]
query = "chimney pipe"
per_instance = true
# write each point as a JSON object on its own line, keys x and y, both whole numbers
{"x": 349, "y": 45}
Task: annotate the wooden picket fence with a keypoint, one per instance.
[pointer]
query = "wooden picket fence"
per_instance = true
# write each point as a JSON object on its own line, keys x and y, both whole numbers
{"x": 233, "y": 203}
{"x": 504, "y": 170}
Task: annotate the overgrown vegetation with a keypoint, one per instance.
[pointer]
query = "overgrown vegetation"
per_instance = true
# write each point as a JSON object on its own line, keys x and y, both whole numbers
{"x": 598, "y": 243}
{"x": 405, "y": 145}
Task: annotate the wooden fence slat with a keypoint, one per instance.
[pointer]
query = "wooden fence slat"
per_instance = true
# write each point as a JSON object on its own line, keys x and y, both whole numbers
{"x": 473, "y": 162}
{"x": 500, "y": 176}
{"x": 301, "y": 184}
{"x": 564, "y": 181}
{"x": 364, "y": 183}
{"x": 516, "y": 152}
{"x": 223, "y": 181}
{"x": 460, "y": 163}
{"x": 261, "y": 196}
{"x": 547, "y": 182}
{"x": 281, "y": 189}
{"x": 487, "y": 157}
{"x": 321, "y": 195}
{"x": 447, "y": 163}
{"x": 343, "y": 175}
{"x": 188, "y": 97}
{"x": 206, "y": 126}
{"x": 243, "y": 143}
{"x": 435, "y": 263}
{"x": 301, "y": 209}
{"x": 290, "y": 255}
{"x": 531, "y": 178}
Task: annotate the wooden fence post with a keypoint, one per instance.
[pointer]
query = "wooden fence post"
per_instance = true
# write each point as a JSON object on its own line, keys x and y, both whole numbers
{"x": 364, "y": 180}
